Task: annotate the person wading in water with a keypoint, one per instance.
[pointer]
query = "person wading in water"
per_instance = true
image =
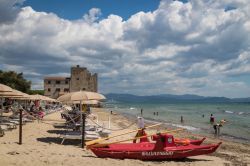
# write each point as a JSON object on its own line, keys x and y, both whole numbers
{"x": 212, "y": 119}
{"x": 217, "y": 127}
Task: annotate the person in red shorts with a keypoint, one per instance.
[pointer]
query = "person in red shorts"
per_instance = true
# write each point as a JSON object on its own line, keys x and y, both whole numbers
{"x": 141, "y": 131}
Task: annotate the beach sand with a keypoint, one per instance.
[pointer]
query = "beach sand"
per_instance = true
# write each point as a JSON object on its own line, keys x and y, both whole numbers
{"x": 41, "y": 146}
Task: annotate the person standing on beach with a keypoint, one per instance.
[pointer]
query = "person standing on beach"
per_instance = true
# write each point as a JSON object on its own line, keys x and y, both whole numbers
{"x": 141, "y": 112}
{"x": 141, "y": 130}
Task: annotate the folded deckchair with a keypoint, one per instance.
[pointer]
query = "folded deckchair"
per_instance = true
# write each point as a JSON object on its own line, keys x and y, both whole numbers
{"x": 70, "y": 121}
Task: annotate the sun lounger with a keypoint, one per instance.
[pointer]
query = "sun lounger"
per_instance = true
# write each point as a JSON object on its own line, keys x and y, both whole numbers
{"x": 59, "y": 125}
{"x": 78, "y": 136}
{"x": 9, "y": 124}
{"x": 4, "y": 127}
{"x": 24, "y": 120}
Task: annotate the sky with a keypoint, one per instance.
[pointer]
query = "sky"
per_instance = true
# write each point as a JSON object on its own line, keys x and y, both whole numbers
{"x": 142, "y": 47}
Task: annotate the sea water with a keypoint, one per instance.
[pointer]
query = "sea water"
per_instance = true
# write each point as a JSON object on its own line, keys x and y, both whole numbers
{"x": 196, "y": 116}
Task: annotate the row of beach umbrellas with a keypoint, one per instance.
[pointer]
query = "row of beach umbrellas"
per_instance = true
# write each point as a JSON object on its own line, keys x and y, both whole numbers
{"x": 8, "y": 92}
{"x": 83, "y": 97}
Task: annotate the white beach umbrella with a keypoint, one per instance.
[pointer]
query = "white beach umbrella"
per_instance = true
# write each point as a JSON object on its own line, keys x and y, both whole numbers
{"x": 5, "y": 88}
{"x": 94, "y": 95}
{"x": 64, "y": 97}
{"x": 13, "y": 93}
{"x": 81, "y": 96}
{"x": 20, "y": 95}
{"x": 88, "y": 102}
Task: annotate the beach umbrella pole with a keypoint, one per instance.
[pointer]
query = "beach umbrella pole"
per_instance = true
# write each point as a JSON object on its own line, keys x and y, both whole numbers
{"x": 83, "y": 129}
{"x": 1, "y": 113}
{"x": 83, "y": 125}
{"x": 20, "y": 126}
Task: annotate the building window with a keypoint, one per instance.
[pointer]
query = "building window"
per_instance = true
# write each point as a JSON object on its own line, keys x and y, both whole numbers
{"x": 66, "y": 82}
{"x": 58, "y": 89}
{"x": 57, "y": 82}
{"x": 48, "y": 89}
{"x": 66, "y": 89}
{"x": 83, "y": 88}
{"x": 49, "y": 82}
{"x": 77, "y": 78}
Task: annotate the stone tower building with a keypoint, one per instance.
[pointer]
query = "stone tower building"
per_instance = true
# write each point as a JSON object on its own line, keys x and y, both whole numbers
{"x": 80, "y": 79}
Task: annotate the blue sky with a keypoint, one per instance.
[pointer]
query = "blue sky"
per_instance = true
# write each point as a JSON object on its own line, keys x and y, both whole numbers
{"x": 139, "y": 47}
{"x": 76, "y": 9}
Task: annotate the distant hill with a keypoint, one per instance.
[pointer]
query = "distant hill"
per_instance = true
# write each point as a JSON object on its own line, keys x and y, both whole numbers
{"x": 169, "y": 98}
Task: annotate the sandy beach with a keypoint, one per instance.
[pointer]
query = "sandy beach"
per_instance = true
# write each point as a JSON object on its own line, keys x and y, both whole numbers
{"x": 41, "y": 146}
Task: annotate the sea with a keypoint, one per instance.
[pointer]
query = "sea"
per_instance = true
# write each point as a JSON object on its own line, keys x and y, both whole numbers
{"x": 196, "y": 116}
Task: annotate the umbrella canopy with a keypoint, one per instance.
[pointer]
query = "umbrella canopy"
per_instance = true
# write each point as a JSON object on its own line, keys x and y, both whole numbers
{"x": 81, "y": 96}
{"x": 41, "y": 97}
{"x": 94, "y": 96}
{"x": 10, "y": 94}
{"x": 88, "y": 102}
{"x": 48, "y": 99}
{"x": 5, "y": 88}
{"x": 64, "y": 97}
{"x": 20, "y": 95}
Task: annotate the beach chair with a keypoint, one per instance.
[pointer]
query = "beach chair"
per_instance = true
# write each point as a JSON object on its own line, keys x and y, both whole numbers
{"x": 71, "y": 121}
{"x": 59, "y": 125}
{"x": 6, "y": 121}
{"x": 4, "y": 127}
{"x": 76, "y": 135}
{"x": 9, "y": 125}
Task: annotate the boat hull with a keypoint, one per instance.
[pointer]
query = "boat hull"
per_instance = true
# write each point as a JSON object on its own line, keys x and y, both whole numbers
{"x": 146, "y": 151}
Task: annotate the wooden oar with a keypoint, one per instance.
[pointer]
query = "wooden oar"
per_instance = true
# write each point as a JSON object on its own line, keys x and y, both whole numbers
{"x": 106, "y": 138}
{"x": 131, "y": 139}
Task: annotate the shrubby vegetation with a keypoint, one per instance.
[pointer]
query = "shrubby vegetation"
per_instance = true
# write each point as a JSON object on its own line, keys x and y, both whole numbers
{"x": 17, "y": 81}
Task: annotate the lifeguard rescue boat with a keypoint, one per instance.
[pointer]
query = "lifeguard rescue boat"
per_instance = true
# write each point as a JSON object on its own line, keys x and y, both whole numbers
{"x": 164, "y": 148}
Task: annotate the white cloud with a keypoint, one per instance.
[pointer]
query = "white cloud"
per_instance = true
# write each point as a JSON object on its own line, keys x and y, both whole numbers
{"x": 195, "y": 47}
{"x": 92, "y": 16}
